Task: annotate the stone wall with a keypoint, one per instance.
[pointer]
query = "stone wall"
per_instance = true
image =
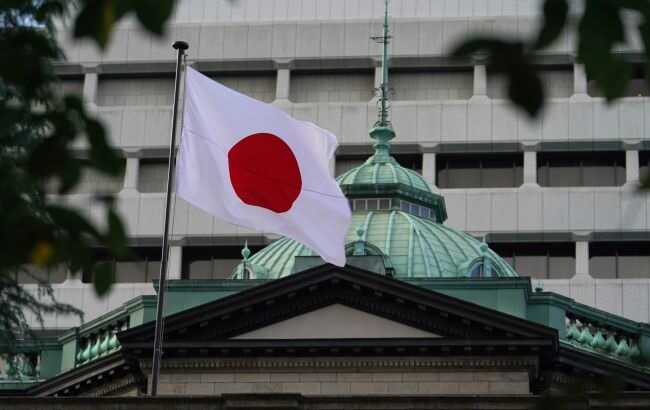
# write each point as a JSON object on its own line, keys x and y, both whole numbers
{"x": 298, "y": 402}
{"x": 346, "y": 383}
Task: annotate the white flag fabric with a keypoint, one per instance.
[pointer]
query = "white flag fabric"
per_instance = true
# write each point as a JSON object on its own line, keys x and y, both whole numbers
{"x": 251, "y": 164}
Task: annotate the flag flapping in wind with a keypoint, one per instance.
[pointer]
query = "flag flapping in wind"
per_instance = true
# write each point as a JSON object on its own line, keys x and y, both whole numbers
{"x": 251, "y": 164}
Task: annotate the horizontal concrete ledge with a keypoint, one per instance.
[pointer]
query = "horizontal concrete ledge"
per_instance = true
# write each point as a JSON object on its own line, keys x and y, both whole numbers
{"x": 298, "y": 402}
{"x": 336, "y": 63}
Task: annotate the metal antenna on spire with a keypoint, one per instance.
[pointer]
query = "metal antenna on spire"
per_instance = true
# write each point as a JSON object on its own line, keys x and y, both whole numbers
{"x": 382, "y": 132}
{"x": 384, "y": 39}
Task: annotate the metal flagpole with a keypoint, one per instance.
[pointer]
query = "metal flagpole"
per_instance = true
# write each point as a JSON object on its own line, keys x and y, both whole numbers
{"x": 180, "y": 46}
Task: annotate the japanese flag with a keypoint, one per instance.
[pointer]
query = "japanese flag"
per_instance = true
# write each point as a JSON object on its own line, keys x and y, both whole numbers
{"x": 251, "y": 164}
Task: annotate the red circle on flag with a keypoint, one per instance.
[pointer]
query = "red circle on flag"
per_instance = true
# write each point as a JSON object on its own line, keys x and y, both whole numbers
{"x": 264, "y": 172}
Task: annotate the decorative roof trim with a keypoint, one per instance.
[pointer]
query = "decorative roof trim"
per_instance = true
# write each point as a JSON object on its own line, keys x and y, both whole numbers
{"x": 338, "y": 363}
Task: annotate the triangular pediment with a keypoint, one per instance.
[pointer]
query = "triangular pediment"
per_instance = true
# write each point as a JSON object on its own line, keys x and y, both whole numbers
{"x": 292, "y": 308}
{"x": 336, "y": 322}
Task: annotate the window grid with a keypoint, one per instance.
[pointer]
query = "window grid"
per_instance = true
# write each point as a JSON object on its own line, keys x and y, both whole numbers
{"x": 490, "y": 170}
{"x": 152, "y": 175}
{"x": 211, "y": 262}
{"x": 546, "y": 260}
{"x": 142, "y": 265}
{"x": 619, "y": 260}
{"x": 385, "y": 204}
{"x": 581, "y": 169}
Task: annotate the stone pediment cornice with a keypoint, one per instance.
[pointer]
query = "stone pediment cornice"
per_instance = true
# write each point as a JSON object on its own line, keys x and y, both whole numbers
{"x": 315, "y": 288}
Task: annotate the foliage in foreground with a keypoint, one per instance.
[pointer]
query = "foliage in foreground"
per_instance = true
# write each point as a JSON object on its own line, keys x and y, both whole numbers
{"x": 38, "y": 127}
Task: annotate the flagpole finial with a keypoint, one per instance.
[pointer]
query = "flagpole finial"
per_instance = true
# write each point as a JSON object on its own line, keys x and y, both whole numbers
{"x": 382, "y": 131}
{"x": 180, "y": 45}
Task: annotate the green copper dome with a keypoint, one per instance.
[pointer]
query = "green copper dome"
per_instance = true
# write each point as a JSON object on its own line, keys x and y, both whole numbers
{"x": 397, "y": 222}
{"x": 415, "y": 246}
{"x": 383, "y": 172}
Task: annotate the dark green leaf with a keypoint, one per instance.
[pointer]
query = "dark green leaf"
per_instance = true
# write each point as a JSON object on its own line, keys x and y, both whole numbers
{"x": 600, "y": 29}
{"x": 104, "y": 277}
{"x": 644, "y": 30}
{"x": 102, "y": 155}
{"x": 117, "y": 238}
{"x": 71, "y": 220}
{"x": 554, "y": 21}
{"x": 645, "y": 183}
{"x": 508, "y": 58}
{"x": 153, "y": 14}
{"x": 525, "y": 89}
{"x": 96, "y": 20}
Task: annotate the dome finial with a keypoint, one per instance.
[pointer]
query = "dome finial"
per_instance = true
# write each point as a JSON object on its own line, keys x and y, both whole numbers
{"x": 245, "y": 252}
{"x": 382, "y": 131}
{"x": 359, "y": 247}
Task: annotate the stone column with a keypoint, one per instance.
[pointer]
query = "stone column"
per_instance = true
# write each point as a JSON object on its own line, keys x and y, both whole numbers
{"x": 91, "y": 80}
{"x": 480, "y": 79}
{"x": 631, "y": 166}
{"x": 174, "y": 263}
{"x": 283, "y": 80}
{"x": 429, "y": 164}
{"x": 131, "y": 173}
{"x": 579, "y": 80}
{"x": 530, "y": 165}
{"x": 582, "y": 255}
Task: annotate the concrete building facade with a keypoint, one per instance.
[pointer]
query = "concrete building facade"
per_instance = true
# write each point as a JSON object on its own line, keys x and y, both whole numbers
{"x": 556, "y": 197}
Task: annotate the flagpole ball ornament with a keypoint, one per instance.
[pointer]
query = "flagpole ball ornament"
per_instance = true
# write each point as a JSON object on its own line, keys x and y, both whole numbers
{"x": 180, "y": 45}
{"x": 264, "y": 172}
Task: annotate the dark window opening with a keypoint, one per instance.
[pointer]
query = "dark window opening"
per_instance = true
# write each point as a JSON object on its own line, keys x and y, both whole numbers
{"x": 344, "y": 163}
{"x": 479, "y": 170}
{"x": 32, "y": 274}
{"x": 211, "y": 262}
{"x": 410, "y": 161}
{"x": 644, "y": 165}
{"x": 637, "y": 86}
{"x": 546, "y": 260}
{"x": 141, "y": 265}
{"x": 557, "y": 80}
{"x": 569, "y": 169}
{"x": 152, "y": 175}
{"x": 624, "y": 260}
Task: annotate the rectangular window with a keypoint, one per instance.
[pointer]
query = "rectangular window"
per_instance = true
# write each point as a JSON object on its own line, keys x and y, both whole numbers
{"x": 624, "y": 260}
{"x": 33, "y": 274}
{"x": 487, "y": 170}
{"x": 644, "y": 165}
{"x": 410, "y": 161}
{"x": 637, "y": 87}
{"x": 578, "y": 168}
{"x": 345, "y": 163}
{"x": 69, "y": 86}
{"x": 141, "y": 265}
{"x": 152, "y": 175}
{"x": 546, "y": 260}
{"x": 211, "y": 262}
{"x": 409, "y": 85}
{"x": 135, "y": 91}
{"x": 92, "y": 182}
{"x": 557, "y": 80}
{"x": 260, "y": 86}
{"x": 331, "y": 86}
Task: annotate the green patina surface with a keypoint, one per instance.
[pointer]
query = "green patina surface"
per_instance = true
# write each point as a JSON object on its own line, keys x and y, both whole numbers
{"x": 511, "y": 295}
{"x": 417, "y": 247}
{"x": 374, "y": 172}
